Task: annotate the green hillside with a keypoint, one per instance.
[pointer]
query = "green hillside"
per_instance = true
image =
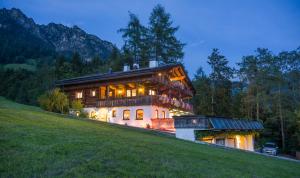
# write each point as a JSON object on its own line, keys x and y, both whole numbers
{"x": 34, "y": 143}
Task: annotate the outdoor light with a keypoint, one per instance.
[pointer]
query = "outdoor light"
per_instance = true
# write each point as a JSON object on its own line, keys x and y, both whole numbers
{"x": 120, "y": 91}
{"x": 159, "y": 74}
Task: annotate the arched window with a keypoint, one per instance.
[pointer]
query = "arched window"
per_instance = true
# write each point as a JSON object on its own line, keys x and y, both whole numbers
{"x": 156, "y": 114}
{"x": 126, "y": 114}
{"x": 114, "y": 113}
{"x": 163, "y": 114}
{"x": 139, "y": 114}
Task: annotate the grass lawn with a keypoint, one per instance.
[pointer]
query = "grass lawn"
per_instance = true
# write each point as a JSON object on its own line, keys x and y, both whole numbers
{"x": 34, "y": 143}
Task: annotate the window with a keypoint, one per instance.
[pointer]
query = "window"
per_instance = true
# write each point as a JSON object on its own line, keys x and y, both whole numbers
{"x": 126, "y": 114}
{"x": 78, "y": 95}
{"x": 133, "y": 92}
{"x": 139, "y": 114}
{"x": 141, "y": 91}
{"x": 128, "y": 93}
{"x": 93, "y": 93}
{"x": 207, "y": 140}
{"x": 102, "y": 92}
{"x": 220, "y": 141}
{"x": 163, "y": 114}
{"x": 114, "y": 113}
{"x": 151, "y": 92}
{"x": 156, "y": 114}
{"x": 120, "y": 93}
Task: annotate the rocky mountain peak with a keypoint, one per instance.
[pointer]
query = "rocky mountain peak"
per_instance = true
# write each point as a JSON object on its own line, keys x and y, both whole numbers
{"x": 65, "y": 40}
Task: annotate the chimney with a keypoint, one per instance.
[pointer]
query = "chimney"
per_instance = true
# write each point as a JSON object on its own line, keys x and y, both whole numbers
{"x": 136, "y": 66}
{"x": 126, "y": 68}
{"x": 153, "y": 63}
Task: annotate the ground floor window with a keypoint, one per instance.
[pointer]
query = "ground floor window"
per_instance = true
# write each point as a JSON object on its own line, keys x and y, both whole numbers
{"x": 207, "y": 140}
{"x": 163, "y": 114}
{"x": 220, "y": 141}
{"x": 156, "y": 114}
{"x": 139, "y": 114}
{"x": 114, "y": 113}
{"x": 126, "y": 114}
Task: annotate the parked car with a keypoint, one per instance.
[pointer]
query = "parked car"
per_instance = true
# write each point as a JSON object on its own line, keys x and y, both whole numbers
{"x": 270, "y": 148}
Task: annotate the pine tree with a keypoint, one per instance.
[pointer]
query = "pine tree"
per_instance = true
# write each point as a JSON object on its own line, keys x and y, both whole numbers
{"x": 135, "y": 38}
{"x": 165, "y": 46}
{"x": 220, "y": 83}
{"x": 201, "y": 100}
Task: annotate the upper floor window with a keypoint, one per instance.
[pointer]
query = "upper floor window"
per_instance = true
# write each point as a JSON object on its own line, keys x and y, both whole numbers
{"x": 126, "y": 114}
{"x": 139, "y": 114}
{"x": 133, "y": 92}
{"x": 141, "y": 91}
{"x": 128, "y": 93}
{"x": 78, "y": 95}
{"x": 114, "y": 113}
{"x": 151, "y": 92}
{"x": 93, "y": 93}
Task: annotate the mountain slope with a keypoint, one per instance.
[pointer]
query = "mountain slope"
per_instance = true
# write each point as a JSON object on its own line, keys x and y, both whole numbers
{"x": 20, "y": 36}
{"x": 35, "y": 143}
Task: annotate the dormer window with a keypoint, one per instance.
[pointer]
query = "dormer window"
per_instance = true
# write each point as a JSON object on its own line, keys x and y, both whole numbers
{"x": 78, "y": 95}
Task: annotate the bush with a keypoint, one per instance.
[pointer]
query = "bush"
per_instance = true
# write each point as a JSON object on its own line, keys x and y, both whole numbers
{"x": 77, "y": 105}
{"x": 54, "y": 101}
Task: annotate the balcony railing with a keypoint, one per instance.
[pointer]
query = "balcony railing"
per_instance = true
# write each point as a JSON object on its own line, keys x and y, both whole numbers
{"x": 172, "y": 84}
{"x": 157, "y": 100}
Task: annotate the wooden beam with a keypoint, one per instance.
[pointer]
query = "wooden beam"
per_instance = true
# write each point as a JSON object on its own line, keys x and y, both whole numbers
{"x": 177, "y": 78}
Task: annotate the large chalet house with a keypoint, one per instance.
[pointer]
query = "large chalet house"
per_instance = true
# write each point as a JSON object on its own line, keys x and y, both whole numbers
{"x": 156, "y": 97}
{"x": 136, "y": 97}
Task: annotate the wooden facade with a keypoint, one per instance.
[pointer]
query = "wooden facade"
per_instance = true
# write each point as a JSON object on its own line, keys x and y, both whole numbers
{"x": 167, "y": 86}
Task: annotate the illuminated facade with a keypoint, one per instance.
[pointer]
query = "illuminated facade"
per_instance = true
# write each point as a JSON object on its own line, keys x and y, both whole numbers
{"x": 140, "y": 97}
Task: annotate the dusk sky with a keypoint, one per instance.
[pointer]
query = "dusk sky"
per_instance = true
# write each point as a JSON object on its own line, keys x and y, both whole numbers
{"x": 237, "y": 27}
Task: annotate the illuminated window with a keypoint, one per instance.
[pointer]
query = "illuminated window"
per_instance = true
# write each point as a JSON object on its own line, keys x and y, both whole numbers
{"x": 120, "y": 93}
{"x": 151, "y": 92}
{"x": 141, "y": 91}
{"x": 114, "y": 113}
{"x": 128, "y": 93}
{"x": 133, "y": 92}
{"x": 126, "y": 114}
{"x": 156, "y": 114}
{"x": 78, "y": 95}
{"x": 139, "y": 114}
{"x": 163, "y": 114}
{"x": 110, "y": 94}
{"x": 103, "y": 92}
{"x": 93, "y": 93}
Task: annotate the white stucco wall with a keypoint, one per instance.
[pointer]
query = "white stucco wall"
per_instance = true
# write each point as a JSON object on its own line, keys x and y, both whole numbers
{"x": 185, "y": 134}
{"x": 105, "y": 114}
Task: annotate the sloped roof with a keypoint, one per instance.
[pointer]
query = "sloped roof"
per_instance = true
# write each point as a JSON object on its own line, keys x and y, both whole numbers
{"x": 216, "y": 123}
{"x": 235, "y": 124}
{"x": 120, "y": 75}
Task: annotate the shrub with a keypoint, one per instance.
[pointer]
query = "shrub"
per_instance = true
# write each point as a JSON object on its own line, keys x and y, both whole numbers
{"x": 77, "y": 105}
{"x": 54, "y": 101}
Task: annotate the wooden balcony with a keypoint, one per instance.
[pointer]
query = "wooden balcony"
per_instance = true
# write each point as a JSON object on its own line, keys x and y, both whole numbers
{"x": 172, "y": 85}
{"x": 156, "y": 100}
